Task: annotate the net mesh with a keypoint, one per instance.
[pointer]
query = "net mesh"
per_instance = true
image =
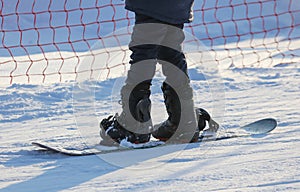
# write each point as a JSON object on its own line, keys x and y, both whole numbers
{"x": 58, "y": 40}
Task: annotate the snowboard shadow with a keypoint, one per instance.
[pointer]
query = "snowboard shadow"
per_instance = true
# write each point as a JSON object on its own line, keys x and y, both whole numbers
{"x": 56, "y": 172}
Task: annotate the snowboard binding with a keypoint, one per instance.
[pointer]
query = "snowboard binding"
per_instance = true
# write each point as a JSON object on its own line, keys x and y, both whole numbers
{"x": 203, "y": 117}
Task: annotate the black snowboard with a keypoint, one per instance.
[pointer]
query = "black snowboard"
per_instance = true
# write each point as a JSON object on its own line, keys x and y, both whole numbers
{"x": 262, "y": 126}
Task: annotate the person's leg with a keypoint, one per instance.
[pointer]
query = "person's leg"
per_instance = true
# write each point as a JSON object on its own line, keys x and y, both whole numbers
{"x": 178, "y": 94}
{"x": 144, "y": 45}
{"x": 135, "y": 116}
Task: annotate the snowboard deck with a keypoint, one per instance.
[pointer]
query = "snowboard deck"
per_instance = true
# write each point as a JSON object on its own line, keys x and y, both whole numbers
{"x": 259, "y": 127}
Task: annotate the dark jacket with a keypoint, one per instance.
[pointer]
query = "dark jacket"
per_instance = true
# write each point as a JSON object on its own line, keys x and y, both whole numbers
{"x": 169, "y": 11}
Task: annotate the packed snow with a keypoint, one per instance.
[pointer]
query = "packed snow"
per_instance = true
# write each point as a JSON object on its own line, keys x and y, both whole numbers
{"x": 262, "y": 82}
{"x": 62, "y": 114}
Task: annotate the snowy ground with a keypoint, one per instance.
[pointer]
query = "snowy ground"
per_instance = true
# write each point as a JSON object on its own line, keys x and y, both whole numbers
{"x": 63, "y": 114}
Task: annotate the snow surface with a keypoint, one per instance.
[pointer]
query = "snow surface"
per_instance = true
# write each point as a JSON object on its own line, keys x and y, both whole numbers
{"x": 263, "y": 82}
{"x": 68, "y": 115}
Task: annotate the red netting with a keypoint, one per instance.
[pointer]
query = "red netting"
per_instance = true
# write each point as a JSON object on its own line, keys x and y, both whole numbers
{"x": 56, "y": 40}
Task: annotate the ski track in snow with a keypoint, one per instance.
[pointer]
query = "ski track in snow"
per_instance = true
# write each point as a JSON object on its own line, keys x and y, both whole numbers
{"x": 50, "y": 113}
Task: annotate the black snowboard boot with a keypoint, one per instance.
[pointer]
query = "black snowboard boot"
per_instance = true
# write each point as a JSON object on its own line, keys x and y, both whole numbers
{"x": 134, "y": 122}
{"x": 181, "y": 125}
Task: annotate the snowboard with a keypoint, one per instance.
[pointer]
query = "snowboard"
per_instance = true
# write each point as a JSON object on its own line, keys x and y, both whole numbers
{"x": 258, "y": 127}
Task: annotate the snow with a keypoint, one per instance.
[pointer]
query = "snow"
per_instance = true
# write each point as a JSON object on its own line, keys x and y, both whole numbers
{"x": 262, "y": 82}
{"x": 51, "y": 113}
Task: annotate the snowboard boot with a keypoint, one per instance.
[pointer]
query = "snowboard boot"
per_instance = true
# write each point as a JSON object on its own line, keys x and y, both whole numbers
{"x": 134, "y": 122}
{"x": 181, "y": 125}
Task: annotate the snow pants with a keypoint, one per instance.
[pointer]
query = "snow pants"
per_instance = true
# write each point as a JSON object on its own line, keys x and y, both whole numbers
{"x": 155, "y": 42}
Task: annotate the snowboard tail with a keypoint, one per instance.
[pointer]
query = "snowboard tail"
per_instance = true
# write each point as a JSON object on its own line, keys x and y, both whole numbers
{"x": 262, "y": 126}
